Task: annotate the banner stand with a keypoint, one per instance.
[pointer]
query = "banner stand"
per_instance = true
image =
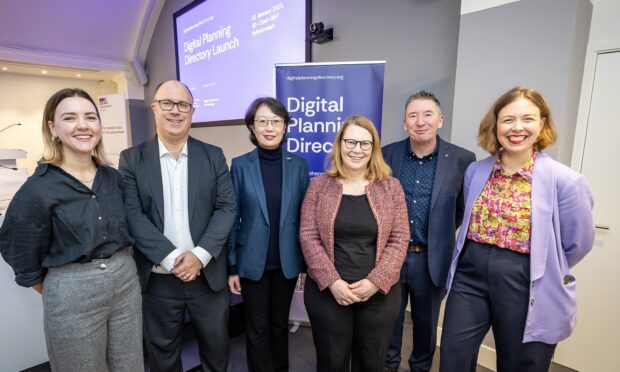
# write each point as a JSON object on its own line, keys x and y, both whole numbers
{"x": 319, "y": 97}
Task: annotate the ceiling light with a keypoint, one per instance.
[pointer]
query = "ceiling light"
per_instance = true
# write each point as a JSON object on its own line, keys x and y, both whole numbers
{"x": 43, "y": 72}
{"x": 78, "y": 75}
{"x": 4, "y": 68}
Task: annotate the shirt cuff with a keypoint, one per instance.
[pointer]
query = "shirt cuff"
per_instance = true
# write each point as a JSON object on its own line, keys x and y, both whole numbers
{"x": 168, "y": 262}
{"x": 202, "y": 255}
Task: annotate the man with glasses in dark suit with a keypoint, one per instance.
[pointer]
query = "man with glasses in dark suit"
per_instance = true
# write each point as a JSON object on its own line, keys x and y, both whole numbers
{"x": 180, "y": 209}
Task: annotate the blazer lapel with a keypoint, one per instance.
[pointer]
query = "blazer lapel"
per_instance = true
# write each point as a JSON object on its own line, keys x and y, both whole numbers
{"x": 150, "y": 152}
{"x": 444, "y": 163}
{"x": 194, "y": 165}
{"x": 257, "y": 182}
{"x": 287, "y": 185}
{"x": 479, "y": 180}
{"x": 543, "y": 198}
{"x": 397, "y": 158}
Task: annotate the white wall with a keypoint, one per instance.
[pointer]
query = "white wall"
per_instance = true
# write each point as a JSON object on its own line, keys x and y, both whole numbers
{"x": 470, "y": 6}
{"x": 22, "y": 100}
{"x": 605, "y": 25}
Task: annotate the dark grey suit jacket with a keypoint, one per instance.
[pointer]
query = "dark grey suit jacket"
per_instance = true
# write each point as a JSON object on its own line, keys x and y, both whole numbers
{"x": 447, "y": 204}
{"x": 211, "y": 204}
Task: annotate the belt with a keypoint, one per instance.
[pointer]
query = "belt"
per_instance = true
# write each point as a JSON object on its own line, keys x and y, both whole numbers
{"x": 417, "y": 248}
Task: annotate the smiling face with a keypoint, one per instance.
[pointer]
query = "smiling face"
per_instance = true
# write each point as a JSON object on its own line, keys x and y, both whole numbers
{"x": 518, "y": 127}
{"x": 355, "y": 160}
{"x": 422, "y": 120}
{"x": 77, "y": 126}
{"x": 173, "y": 125}
{"x": 270, "y": 136}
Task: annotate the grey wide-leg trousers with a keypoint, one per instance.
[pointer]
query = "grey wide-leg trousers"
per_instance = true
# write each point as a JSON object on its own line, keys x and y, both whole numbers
{"x": 93, "y": 317}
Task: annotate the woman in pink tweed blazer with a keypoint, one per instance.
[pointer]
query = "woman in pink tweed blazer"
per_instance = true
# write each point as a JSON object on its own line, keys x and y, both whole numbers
{"x": 354, "y": 234}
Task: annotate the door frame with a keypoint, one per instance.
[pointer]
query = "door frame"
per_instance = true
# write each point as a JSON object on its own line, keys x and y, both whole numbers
{"x": 585, "y": 99}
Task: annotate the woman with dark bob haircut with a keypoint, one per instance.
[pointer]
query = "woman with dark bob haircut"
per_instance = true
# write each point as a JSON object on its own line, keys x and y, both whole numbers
{"x": 264, "y": 256}
{"x": 66, "y": 237}
{"x": 528, "y": 221}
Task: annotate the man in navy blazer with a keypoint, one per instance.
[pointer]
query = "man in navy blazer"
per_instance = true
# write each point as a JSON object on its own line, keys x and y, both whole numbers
{"x": 180, "y": 209}
{"x": 431, "y": 172}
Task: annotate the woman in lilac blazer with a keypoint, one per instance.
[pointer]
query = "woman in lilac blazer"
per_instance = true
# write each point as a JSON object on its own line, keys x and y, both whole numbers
{"x": 528, "y": 221}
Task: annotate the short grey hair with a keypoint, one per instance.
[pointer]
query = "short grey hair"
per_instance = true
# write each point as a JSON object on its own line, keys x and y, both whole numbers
{"x": 422, "y": 94}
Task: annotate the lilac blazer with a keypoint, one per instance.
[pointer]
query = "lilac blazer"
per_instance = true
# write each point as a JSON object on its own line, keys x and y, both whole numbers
{"x": 562, "y": 234}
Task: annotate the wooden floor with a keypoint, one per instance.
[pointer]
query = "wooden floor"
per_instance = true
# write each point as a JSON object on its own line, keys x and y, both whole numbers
{"x": 302, "y": 354}
{"x": 303, "y": 358}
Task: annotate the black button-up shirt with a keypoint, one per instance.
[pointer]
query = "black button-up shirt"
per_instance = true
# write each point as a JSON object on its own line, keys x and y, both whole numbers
{"x": 417, "y": 176}
{"x": 54, "y": 220}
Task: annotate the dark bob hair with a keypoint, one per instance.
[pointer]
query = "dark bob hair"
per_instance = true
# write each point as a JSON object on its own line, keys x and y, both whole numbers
{"x": 275, "y": 106}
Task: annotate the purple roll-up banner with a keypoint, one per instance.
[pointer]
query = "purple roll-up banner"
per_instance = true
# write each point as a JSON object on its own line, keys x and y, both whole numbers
{"x": 320, "y": 96}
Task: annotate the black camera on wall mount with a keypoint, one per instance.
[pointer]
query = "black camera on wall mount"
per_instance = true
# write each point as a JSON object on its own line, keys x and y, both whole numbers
{"x": 319, "y": 35}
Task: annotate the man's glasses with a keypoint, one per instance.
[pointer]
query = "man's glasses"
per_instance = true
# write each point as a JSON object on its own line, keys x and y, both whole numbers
{"x": 351, "y": 143}
{"x": 263, "y": 122}
{"x": 168, "y": 105}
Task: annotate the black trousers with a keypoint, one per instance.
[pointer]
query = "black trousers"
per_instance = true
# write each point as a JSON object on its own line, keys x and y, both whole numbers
{"x": 416, "y": 283}
{"x": 267, "y": 306}
{"x": 164, "y": 304}
{"x": 491, "y": 288}
{"x": 356, "y": 335}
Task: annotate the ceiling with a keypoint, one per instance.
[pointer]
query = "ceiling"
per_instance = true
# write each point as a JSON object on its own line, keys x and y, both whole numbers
{"x": 94, "y": 39}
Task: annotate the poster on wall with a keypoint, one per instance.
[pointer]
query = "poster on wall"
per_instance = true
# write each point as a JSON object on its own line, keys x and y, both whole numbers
{"x": 320, "y": 96}
{"x": 113, "y": 111}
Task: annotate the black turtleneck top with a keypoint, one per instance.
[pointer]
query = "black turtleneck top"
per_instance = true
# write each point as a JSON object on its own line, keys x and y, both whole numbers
{"x": 271, "y": 173}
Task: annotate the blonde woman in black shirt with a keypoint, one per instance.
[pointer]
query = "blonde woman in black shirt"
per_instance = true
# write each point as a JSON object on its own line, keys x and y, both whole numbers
{"x": 65, "y": 236}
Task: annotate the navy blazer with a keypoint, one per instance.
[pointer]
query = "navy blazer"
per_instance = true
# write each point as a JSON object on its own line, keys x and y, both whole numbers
{"x": 447, "y": 203}
{"x": 249, "y": 238}
{"x": 211, "y": 203}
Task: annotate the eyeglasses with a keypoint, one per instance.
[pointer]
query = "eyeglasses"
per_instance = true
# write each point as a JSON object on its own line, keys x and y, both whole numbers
{"x": 263, "y": 122}
{"x": 351, "y": 143}
{"x": 168, "y": 105}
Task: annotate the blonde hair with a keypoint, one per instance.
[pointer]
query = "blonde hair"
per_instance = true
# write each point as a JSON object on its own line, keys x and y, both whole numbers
{"x": 52, "y": 147}
{"x": 377, "y": 167}
{"x": 487, "y": 133}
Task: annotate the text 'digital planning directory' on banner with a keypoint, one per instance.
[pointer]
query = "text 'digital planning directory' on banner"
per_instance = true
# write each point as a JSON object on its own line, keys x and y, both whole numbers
{"x": 320, "y": 96}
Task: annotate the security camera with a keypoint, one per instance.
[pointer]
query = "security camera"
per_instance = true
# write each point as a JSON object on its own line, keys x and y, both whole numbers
{"x": 316, "y": 28}
{"x": 319, "y": 35}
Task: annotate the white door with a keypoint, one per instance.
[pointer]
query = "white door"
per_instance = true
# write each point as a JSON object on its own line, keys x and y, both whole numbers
{"x": 594, "y": 346}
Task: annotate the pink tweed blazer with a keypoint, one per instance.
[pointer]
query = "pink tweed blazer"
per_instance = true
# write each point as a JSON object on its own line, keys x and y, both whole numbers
{"x": 318, "y": 215}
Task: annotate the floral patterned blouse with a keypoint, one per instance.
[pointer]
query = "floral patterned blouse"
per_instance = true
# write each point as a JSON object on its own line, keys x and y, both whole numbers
{"x": 502, "y": 214}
